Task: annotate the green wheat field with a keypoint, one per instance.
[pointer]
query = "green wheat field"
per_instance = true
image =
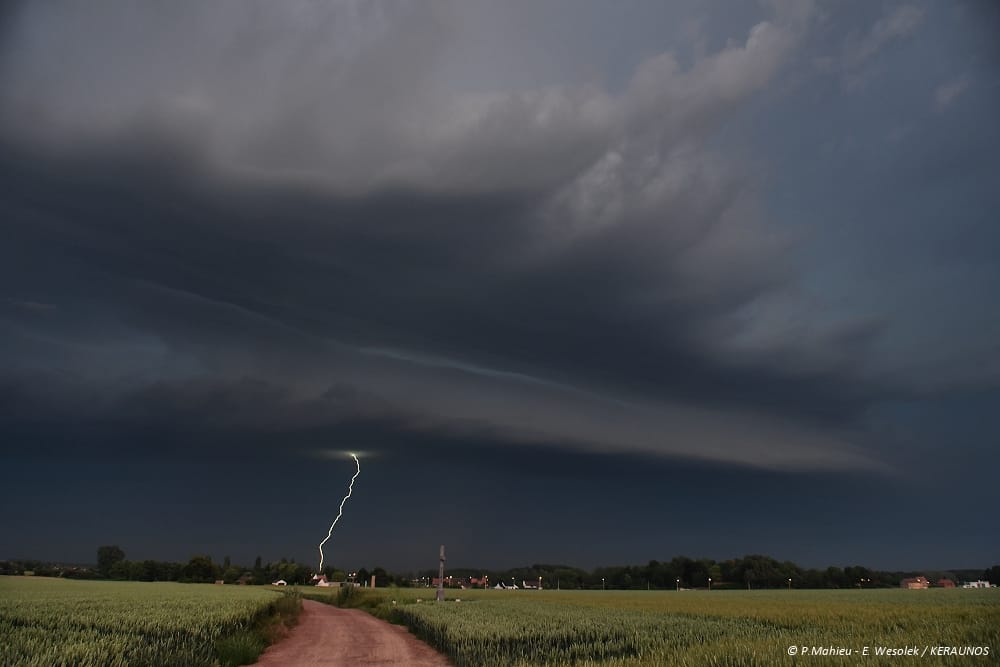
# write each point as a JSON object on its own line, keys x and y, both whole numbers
{"x": 698, "y": 627}
{"x": 47, "y": 622}
{"x": 59, "y": 622}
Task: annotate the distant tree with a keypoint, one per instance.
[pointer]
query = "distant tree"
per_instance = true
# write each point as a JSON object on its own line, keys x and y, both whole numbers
{"x": 226, "y": 563}
{"x": 565, "y": 577}
{"x": 859, "y": 576}
{"x": 812, "y": 578}
{"x": 302, "y": 573}
{"x": 121, "y": 571}
{"x": 200, "y": 569}
{"x": 107, "y": 556}
{"x": 286, "y": 570}
{"x": 170, "y": 571}
{"x": 149, "y": 571}
{"x": 992, "y": 575}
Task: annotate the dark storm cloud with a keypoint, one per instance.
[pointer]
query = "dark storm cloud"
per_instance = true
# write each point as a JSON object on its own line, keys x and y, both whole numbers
{"x": 324, "y": 212}
{"x": 449, "y": 292}
{"x": 721, "y": 269}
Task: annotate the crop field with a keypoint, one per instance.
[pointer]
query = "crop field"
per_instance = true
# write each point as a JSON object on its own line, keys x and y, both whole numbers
{"x": 107, "y": 624}
{"x": 640, "y": 628}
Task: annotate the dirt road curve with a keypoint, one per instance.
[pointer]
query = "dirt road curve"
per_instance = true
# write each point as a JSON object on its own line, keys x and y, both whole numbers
{"x": 330, "y": 637}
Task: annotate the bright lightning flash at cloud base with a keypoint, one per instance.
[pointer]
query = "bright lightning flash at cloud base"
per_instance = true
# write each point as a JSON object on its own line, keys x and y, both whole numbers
{"x": 340, "y": 512}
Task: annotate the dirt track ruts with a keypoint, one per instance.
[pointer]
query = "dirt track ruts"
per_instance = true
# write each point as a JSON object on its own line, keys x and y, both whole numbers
{"x": 332, "y": 637}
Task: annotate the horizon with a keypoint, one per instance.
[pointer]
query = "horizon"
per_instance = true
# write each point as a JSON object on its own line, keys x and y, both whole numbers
{"x": 580, "y": 280}
{"x": 588, "y": 568}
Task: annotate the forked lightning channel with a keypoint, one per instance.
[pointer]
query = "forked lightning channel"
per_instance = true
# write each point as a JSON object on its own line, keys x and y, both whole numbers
{"x": 340, "y": 512}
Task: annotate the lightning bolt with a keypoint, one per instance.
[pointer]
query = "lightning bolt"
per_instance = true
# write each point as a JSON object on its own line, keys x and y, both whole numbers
{"x": 340, "y": 512}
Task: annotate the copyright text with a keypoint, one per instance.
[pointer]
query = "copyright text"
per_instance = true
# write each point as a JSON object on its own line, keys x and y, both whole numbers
{"x": 913, "y": 650}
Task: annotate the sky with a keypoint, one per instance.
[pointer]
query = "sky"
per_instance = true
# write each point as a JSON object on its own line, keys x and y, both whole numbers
{"x": 582, "y": 282}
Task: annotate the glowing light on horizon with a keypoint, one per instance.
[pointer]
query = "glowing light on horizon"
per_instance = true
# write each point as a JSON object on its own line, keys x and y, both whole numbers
{"x": 340, "y": 512}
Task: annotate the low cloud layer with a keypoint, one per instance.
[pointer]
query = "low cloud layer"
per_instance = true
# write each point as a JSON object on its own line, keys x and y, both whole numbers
{"x": 297, "y": 217}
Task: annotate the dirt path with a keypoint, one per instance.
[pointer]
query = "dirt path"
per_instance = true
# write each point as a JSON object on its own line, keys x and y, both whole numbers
{"x": 332, "y": 637}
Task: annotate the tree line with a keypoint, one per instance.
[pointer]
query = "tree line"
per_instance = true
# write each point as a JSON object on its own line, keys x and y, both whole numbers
{"x": 751, "y": 571}
{"x": 201, "y": 568}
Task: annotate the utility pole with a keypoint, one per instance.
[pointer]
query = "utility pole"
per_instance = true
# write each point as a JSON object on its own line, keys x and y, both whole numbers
{"x": 440, "y": 593}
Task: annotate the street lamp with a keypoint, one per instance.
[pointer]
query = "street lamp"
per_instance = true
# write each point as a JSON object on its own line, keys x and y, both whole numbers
{"x": 678, "y": 583}
{"x": 789, "y": 583}
{"x": 710, "y": 583}
{"x": 602, "y": 583}
{"x": 539, "y": 583}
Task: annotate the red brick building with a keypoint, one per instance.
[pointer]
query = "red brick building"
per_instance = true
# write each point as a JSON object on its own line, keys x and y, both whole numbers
{"x": 915, "y": 582}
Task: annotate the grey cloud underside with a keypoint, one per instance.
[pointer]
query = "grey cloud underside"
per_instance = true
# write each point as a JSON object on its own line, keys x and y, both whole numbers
{"x": 355, "y": 100}
{"x": 433, "y": 309}
{"x": 263, "y": 221}
{"x": 403, "y": 271}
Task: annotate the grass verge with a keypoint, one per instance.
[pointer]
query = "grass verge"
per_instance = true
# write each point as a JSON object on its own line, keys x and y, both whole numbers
{"x": 268, "y": 627}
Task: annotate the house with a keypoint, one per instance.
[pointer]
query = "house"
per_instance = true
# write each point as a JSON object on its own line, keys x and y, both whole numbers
{"x": 245, "y": 579}
{"x": 915, "y": 583}
{"x": 448, "y": 581}
{"x": 977, "y": 584}
{"x": 279, "y": 582}
{"x": 945, "y": 583}
{"x": 320, "y": 580}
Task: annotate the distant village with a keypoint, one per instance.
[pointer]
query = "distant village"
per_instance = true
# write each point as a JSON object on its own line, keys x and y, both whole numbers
{"x": 911, "y": 583}
{"x": 434, "y": 582}
{"x": 922, "y": 582}
{"x": 480, "y": 582}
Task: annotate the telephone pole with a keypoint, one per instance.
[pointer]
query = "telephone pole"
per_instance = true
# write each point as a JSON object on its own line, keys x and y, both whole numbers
{"x": 440, "y": 593}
